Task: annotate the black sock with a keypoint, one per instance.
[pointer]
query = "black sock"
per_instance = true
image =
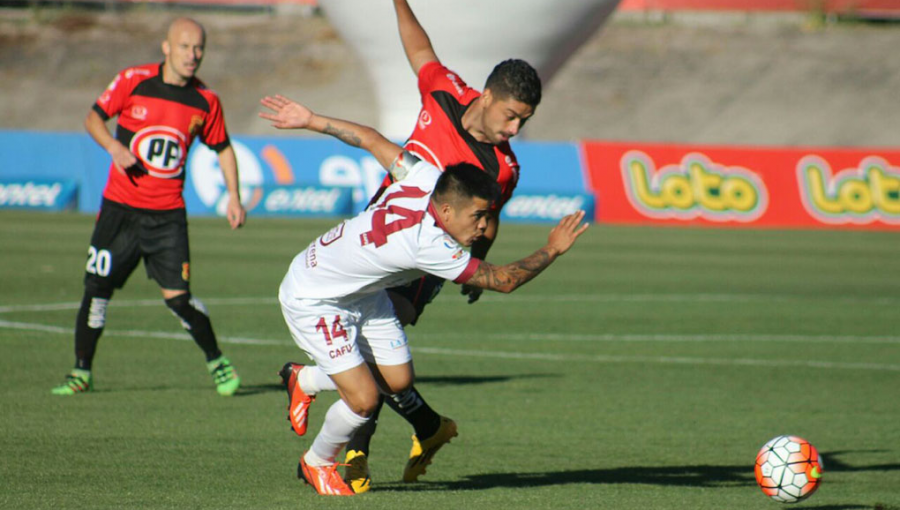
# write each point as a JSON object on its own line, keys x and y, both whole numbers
{"x": 363, "y": 435}
{"x": 195, "y": 320}
{"x": 89, "y": 325}
{"x": 413, "y": 408}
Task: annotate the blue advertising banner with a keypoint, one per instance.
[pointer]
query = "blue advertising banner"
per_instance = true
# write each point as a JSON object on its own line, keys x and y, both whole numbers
{"x": 551, "y": 183}
{"x": 546, "y": 207}
{"x": 37, "y": 194}
{"x": 288, "y": 176}
{"x": 310, "y": 201}
{"x": 56, "y": 157}
{"x": 271, "y": 161}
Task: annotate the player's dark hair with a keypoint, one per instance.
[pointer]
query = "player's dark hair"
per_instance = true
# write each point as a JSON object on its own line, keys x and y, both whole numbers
{"x": 465, "y": 181}
{"x": 516, "y": 79}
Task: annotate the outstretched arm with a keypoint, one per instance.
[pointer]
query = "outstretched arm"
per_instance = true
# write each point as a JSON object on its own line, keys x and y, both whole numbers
{"x": 512, "y": 276}
{"x": 293, "y": 115}
{"x": 416, "y": 43}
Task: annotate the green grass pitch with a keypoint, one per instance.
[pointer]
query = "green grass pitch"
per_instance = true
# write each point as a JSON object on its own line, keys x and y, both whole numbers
{"x": 643, "y": 370}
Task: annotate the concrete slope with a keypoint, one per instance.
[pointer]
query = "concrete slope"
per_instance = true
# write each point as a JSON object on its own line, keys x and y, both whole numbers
{"x": 722, "y": 79}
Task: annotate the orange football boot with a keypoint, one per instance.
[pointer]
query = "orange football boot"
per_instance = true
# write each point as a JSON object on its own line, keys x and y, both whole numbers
{"x": 298, "y": 401}
{"x": 325, "y": 479}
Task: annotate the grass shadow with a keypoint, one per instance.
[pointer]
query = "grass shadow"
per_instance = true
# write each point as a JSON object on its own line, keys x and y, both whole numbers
{"x": 463, "y": 380}
{"x": 690, "y": 476}
{"x": 257, "y": 389}
{"x": 700, "y": 476}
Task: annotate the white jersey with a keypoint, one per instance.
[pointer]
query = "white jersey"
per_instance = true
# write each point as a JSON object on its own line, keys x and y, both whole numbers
{"x": 393, "y": 242}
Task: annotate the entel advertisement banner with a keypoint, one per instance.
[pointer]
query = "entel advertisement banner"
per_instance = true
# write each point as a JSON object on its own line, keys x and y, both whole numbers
{"x": 280, "y": 176}
{"x": 323, "y": 177}
{"x": 742, "y": 186}
{"x": 38, "y": 194}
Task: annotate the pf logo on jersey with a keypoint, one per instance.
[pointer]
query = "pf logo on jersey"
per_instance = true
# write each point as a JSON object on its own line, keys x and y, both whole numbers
{"x": 161, "y": 149}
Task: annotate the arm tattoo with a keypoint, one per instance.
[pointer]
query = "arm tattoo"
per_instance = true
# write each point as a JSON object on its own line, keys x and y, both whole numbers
{"x": 345, "y": 135}
{"x": 511, "y": 276}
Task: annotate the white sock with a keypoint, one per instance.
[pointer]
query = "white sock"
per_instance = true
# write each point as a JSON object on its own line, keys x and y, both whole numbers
{"x": 340, "y": 424}
{"x": 313, "y": 380}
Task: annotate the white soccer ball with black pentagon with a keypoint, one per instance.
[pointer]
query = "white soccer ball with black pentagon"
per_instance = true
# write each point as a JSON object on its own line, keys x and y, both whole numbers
{"x": 788, "y": 469}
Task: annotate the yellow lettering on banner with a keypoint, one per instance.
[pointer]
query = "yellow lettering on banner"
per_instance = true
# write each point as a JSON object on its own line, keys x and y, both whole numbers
{"x": 885, "y": 191}
{"x": 696, "y": 188}
{"x": 740, "y": 193}
{"x": 707, "y": 187}
{"x": 864, "y": 194}
{"x": 676, "y": 192}
{"x": 856, "y": 197}
{"x": 819, "y": 195}
{"x": 639, "y": 176}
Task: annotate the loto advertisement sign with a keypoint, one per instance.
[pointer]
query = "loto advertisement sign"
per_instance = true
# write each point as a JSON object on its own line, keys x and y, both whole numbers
{"x": 745, "y": 186}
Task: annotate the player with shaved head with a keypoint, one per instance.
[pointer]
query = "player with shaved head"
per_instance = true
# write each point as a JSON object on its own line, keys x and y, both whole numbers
{"x": 161, "y": 108}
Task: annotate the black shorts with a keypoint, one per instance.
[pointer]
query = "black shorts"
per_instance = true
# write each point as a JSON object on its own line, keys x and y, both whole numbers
{"x": 123, "y": 235}
{"x": 420, "y": 292}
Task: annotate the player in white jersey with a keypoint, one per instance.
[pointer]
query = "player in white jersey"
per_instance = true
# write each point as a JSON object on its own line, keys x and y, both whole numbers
{"x": 333, "y": 296}
{"x": 396, "y": 240}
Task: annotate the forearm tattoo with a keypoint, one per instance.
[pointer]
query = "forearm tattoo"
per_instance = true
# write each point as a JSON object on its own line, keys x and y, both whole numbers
{"x": 511, "y": 276}
{"x": 345, "y": 135}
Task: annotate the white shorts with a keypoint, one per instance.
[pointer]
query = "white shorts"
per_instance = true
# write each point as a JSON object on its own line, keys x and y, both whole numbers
{"x": 341, "y": 335}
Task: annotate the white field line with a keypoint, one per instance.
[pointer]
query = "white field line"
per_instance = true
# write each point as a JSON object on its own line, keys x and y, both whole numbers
{"x": 497, "y": 299}
{"x": 135, "y": 303}
{"x": 138, "y": 334}
{"x": 679, "y": 338}
{"x": 531, "y": 337}
{"x": 668, "y": 360}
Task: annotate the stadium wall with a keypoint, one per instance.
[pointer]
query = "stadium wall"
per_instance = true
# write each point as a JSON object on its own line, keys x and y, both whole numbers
{"x": 616, "y": 182}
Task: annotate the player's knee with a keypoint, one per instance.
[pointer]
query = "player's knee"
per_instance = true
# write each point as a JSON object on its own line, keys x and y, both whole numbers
{"x": 187, "y": 308}
{"x": 362, "y": 403}
{"x": 398, "y": 383}
{"x": 96, "y": 299}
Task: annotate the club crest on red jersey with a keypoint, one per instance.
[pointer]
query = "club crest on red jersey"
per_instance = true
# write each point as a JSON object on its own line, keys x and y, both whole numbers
{"x": 424, "y": 119}
{"x": 195, "y": 125}
{"x": 139, "y": 112}
{"x": 162, "y": 149}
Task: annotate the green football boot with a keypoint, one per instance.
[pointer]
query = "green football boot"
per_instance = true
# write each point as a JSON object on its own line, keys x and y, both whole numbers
{"x": 77, "y": 381}
{"x": 224, "y": 375}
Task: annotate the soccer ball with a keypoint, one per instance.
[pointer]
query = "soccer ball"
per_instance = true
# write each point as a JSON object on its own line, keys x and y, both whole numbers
{"x": 788, "y": 469}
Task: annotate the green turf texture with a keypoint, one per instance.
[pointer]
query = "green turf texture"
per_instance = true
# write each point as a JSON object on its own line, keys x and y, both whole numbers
{"x": 643, "y": 370}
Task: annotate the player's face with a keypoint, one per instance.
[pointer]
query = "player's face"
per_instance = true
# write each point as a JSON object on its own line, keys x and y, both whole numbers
{"x": 467, "y": 223}
{"x": 183, "y": 49}
{"x": 504, "y": 118}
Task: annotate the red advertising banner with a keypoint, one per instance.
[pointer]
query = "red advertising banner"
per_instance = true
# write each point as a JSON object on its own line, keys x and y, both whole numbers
{"x": 841, "y": 6}
{"x": 744, "y": 186}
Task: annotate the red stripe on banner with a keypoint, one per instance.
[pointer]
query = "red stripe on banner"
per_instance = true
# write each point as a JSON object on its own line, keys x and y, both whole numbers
{"x": 745, "y": 186}
{"x": 857, "y": 6}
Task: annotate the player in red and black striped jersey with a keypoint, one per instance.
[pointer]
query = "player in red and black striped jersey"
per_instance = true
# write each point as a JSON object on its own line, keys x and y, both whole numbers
{"x": 457, "y": 124}
{"x": 161, "y": 108}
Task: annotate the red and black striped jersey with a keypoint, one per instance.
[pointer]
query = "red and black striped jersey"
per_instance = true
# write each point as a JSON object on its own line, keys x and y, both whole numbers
{"x": 440, "y": 138}
{"x": 158, "y": 123}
